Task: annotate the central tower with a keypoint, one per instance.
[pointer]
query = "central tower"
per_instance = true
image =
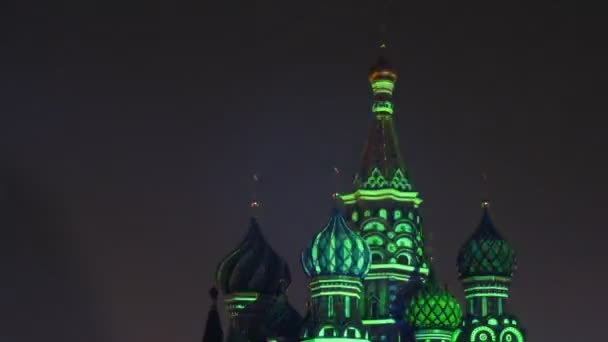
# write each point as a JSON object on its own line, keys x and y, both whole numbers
{"x": 383, "y": 208}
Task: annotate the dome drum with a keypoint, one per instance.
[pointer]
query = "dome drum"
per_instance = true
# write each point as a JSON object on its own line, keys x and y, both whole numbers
{"x": 347, "y": 286}
{"x": 434, "y": 335}
{"x": 474, "y": 287}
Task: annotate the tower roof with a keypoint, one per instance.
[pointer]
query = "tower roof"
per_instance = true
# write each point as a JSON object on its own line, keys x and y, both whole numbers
{"x": 486, "y": 252}
{"x": 253, "y": 266}
{"x": 337, "y": 251}
{"x": 382, "y": 166}
{"x": 434, "y": 307}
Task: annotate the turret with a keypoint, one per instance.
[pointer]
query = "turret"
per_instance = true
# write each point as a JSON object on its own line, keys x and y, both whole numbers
{"x": 336, "y": 261}
{"x": 486, "y": 264}
{"x": 250, "y": 278}
{"x": 383, "y": 209}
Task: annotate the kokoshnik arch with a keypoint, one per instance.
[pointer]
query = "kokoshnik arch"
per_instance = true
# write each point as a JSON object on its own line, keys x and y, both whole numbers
{"x": 370, "y": 278}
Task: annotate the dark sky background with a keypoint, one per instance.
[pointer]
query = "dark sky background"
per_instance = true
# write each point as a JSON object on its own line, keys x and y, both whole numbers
{"x": 129, "y": 132}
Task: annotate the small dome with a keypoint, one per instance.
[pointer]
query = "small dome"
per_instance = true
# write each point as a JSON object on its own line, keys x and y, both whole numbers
{"x": 486, "y": 252}
{"x": 434, "y": 308}
{"x": 253, "y": 267}
{"x": 337, "y": 250}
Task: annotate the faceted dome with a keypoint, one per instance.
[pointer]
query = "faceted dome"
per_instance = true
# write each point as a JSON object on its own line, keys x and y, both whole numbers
{"x": 337, "y": 251}
{"x": 486, "y": 252}
{"x": 434, "y": 308}
{"x": 253, "y": 267}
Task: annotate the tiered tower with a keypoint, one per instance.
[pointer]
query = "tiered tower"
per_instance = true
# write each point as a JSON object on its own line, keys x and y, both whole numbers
{"x": 335, "y": 261}
{"x": 486, "y": 264}
{"x": 383, "y": 208}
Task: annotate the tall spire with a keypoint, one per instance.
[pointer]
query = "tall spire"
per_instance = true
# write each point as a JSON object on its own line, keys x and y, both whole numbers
{"x": 383, "y": 208}
{"x": 382, "y": 166}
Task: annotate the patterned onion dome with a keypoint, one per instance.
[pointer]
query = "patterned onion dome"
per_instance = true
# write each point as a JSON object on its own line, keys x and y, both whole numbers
{"x": 253, "y": 267}
{"x": 337, "y": 250}
{"x": 434, "y": 308}
{"x": 486, "y": 252}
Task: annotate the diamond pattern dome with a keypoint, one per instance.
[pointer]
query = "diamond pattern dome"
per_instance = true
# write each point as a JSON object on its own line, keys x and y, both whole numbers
{"x": 337, "y": 250}
{"x": 486, "y": 252}
{"x": 434, "y": 308}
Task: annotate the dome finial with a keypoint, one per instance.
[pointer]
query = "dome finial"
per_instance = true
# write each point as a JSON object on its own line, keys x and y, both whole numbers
{"x": 485, "y": 193}
{"x": 336, "y": 194}
{"x": 254, "y": 204}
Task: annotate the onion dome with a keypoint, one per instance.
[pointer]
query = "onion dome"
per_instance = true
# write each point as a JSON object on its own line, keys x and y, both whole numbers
{"x": 434, "y": 307}
{"x": 486, "y": 252}
{"x": 337, "y": 251}
{"x": 253, "y": 267}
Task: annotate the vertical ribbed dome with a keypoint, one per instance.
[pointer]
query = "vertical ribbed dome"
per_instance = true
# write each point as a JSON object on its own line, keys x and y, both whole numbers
{"x": 337, "y": 250}
{"x": 434, "y": 308}
{"x": 486, "y": 252}
{"x": 253, "y": 266}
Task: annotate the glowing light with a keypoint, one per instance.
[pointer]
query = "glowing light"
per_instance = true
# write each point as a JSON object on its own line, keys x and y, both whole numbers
{"x": 378, "y": 321}
{"x": 335, "y": 293}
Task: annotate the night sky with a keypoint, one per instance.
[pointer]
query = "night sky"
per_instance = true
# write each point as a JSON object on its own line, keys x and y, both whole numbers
{"x": 129, "y": 132}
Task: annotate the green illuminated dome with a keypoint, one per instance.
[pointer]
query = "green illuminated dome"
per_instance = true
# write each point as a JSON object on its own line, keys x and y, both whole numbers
{"x": 253, "y": 267}
{"x": 486, "y": 252}
{"x": 434, "y": 308}
{"x": 337, "y": 251}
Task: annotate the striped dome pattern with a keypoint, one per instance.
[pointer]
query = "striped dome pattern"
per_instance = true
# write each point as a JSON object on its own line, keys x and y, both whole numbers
{"x": 253, "y": 267}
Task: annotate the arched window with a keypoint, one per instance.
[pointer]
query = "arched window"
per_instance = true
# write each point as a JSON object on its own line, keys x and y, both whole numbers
{"x": 352, "y": 332}
{"x": 374, "y": 240}
{"x": 377, "y": 257}
{"x": 404, "y": 242}
{"x": 373, "y": 308}
{"x": 404, "y": 227}
{"x": 327, "y": 331}
{"x": 374, "y": 225}
{"x": 404, "y": 259}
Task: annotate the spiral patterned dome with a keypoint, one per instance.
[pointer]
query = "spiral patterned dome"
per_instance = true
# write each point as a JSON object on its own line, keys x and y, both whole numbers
{"x": 337, "y": 251}
{"x": 253, "y": 267}
{"x": 486, "y": 252}
{"x": 434, "y": 308}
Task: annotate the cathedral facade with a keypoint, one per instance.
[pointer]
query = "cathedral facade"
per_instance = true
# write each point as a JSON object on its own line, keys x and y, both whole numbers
{"x": 369, "y": 276}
